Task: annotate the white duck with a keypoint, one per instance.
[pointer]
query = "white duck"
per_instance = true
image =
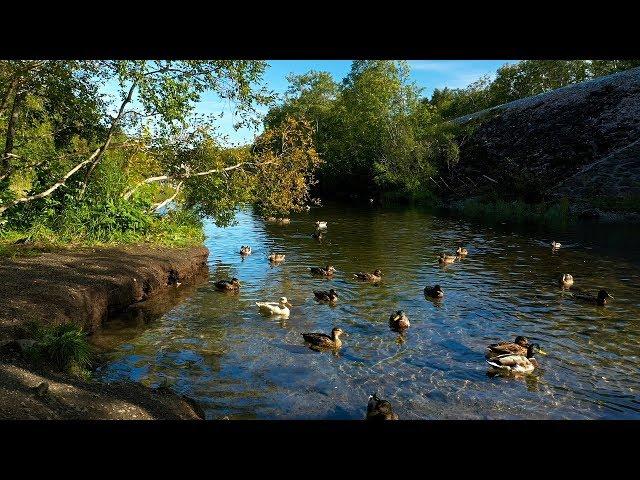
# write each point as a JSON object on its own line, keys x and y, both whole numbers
{"x": 275, "y": 308}
{"x": 555, "y": 245}
{"x": 321, "y": 225}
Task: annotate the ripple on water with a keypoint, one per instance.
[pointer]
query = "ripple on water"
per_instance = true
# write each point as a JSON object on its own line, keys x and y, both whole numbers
{"x": 219, "y": 350}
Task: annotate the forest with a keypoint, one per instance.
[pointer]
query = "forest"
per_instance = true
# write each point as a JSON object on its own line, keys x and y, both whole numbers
{"x": 79, "y": 165}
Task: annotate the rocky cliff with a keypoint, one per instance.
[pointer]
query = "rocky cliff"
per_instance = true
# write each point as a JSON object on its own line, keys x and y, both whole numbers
{"x": 578, "y": 142}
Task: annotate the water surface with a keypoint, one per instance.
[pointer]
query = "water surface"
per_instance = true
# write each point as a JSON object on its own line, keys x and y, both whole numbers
{"x": 217, "y": 348}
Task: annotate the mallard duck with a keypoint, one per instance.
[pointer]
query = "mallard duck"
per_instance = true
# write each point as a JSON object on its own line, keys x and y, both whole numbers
{"x": 326, "y": 271}
{"x": 517, "y": 347}
{"x": 461, "y": 251}
{"x": 280, "y": 308}
{"x": 330, "y": 296}
{"x": 284, "y": 221}
{"x": 276, "y": 257}
{"x": 434, "y": 292}
{"x": 376, "y": 276}
{"x": 378, "y": 409}
{"x": 555, "y": 245}
{"x": 228, "y": 285}
{"x": 587, "y": 297}
{"x": 322, "y": 340}
{"x": 245, "y": 250}
{"x": 445, "y": 259}
{"x": 517, "y": 363}
{"x": 399, "y": 320}
{"x": 566, "y": 280}
{"x": 321, "y": 225}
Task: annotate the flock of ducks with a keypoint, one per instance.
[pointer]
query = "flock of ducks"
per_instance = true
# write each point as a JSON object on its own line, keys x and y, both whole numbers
{"x": 517, "y": 357}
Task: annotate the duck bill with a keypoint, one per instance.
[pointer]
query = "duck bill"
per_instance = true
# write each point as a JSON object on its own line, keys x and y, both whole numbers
{"x": 610, "y": 296}
{"x": 542, "y": 352}
{"x": 289, "y": 305}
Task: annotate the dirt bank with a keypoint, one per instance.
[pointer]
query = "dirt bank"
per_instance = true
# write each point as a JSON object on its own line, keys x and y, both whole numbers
{"x": 84, "y": 287}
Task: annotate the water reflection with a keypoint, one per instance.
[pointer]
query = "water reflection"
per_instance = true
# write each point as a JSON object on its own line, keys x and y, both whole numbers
{"x": 218, "y": 349}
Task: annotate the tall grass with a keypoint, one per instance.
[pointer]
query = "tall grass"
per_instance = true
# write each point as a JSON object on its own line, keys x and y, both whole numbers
{"x": 64, "y": 347}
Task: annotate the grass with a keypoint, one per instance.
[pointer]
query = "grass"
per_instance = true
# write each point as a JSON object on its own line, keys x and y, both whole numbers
{"x": 176, "y": 229}
{"x": 515, "y": 211}
{"x": 629, "y": 203}
{"x": 63, "y": 347}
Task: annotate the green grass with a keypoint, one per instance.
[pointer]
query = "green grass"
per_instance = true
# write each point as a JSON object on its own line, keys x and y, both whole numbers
{"x": 515, "y": 211}
{"x": 63, "y": 347}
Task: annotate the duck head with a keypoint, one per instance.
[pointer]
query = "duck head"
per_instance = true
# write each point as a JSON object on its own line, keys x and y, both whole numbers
{"x": 330, "y": 269}
{"x": 235, "y": 282}
{"x": 336, "y": 332}
{"x": 284, "y": 303}
{"x": 438, "y": 291}
{"x": 522, "y": 341}
{"x": 377, "y": 272}
{"x": 533, "y": 349}
{"x": 603, "y": 296}
{"x": 333, "y": 294}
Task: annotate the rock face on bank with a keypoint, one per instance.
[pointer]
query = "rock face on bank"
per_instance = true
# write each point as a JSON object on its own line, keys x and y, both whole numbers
{"x": 84, "y": 286}
{"x": 578, "y": 141}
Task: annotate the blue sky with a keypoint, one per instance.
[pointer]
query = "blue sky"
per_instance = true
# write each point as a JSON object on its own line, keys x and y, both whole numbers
{"x": 428, "y": 74}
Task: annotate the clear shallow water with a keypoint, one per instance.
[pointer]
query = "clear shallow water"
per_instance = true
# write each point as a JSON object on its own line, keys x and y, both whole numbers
{"x": 217, "y": 348}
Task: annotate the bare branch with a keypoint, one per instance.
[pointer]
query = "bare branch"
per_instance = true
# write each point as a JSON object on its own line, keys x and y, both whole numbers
{"x": 158, "y": 206}
{"x": 52, "y": 188}
{"x": 184, "y": 176}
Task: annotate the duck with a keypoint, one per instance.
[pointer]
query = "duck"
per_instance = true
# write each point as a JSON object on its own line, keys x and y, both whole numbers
{"x": 399, "y": 320}
{"x": 284, "y": 221}
{"x": 434, "y": 292}
{"x": 566, "y": 280}
{"x": 322, "y": 340}
{"x": 518, "y": 363}
{"x": 555, "y": 245}
{"x": 276, "y": 257}
{"x": 600, "y": 299}
{"x": 376, "y": 276}
{"x": 326, "y": 271}
{"x": 245, "y": 250}
{"x": 379, "y": 409}
{"x": 280, "y": 308}
{"x": 228, "y": 285}
{"x": 271, "y": 219}
{"x": 321, "y": 225}
{"x": 517, "y": 347}
{"x": 461, "y": 251}
{"x": 445, "y": 259}
{"x": 330, "y": 296}
{"x": 318, "y": 235}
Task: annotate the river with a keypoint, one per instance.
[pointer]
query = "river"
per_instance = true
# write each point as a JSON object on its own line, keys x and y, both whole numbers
{"x": 218, "y": 349}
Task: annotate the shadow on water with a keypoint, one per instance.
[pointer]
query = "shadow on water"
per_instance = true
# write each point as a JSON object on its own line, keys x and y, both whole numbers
{"x": 236, "y": 363}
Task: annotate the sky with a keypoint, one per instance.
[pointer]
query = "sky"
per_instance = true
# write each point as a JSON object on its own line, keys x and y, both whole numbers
{"x": 427, "y": 74}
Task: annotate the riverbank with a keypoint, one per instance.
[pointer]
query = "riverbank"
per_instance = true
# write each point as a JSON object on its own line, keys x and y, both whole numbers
{"x": 84, "y": 287}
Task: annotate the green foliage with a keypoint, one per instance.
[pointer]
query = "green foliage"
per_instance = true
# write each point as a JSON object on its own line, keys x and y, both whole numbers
{"x": 64, "y": 347}
{"x": 516, "y": 211}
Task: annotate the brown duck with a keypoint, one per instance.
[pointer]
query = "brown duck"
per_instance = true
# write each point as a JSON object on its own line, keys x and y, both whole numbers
{"x": 326, "y": 271}
{"x": 376, "y": 276}
{"x": 399, "y": 320}
{"x": 322, "y": 340}
{"x": 517, "y": 347}
{"x": 378, "y": 409}
{"x": 228, "y": 285}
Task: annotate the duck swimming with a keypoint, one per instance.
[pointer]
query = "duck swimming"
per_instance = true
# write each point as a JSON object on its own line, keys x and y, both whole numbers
{"x": 601, "y": 299}
{"x": 245, "y": 250}
{"x": 555, "y": 245}
{"x": 326, "y": 271}
{"x": 566, "y": 280}
{"x": 276, "y": 257}
{"x": 280, "y": 308}
{"x": 330, "y": 296}
{"x": 321, "y": 225}
{"x": 228, "y": 285}
{"x": 322, "y": 340}
{"x": 376, "y": 276}
{"x": 318, "y": 235}
{"x": 399, "y": 320}
{"x": 517, "y": 347}
{"x": 461, "y": 251}
{"x": 434, "y": 292}
{"x": 444, "y": 259}
{"x": 518, "y": 363}
{"x": 284, "y": 221}
{"x": 378, "y": 409}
